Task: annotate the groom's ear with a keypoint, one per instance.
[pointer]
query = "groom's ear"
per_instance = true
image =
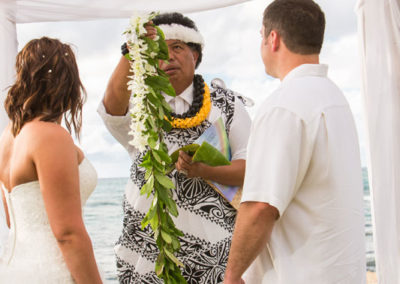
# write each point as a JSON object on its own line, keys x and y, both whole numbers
{"x": 274, "y": 40}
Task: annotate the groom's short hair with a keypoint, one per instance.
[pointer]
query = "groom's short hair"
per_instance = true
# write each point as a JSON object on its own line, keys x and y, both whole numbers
{"x": 300, "y": 23}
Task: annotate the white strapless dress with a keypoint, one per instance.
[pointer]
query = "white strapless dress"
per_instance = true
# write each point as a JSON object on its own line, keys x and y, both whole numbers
{"x": 31, "y": 253}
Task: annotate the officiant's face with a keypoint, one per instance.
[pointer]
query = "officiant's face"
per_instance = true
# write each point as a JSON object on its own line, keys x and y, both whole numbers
{"x": 181, "y": 65}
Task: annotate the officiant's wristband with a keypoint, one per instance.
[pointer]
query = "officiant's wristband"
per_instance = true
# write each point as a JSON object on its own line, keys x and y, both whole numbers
{"x": 124, "y": 49}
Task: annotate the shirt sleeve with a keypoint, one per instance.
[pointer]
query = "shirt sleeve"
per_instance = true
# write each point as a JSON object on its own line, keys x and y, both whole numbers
{"x": 118, "y": 126}
{"x": 239, "y": 131}
{"x": 274, "y": 158}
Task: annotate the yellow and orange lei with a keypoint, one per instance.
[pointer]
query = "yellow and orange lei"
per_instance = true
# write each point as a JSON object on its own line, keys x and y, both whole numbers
{"x": 200, "y": 116}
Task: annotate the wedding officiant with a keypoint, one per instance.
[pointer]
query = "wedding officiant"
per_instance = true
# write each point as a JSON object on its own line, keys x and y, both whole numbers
{"x": 205, "y": 217}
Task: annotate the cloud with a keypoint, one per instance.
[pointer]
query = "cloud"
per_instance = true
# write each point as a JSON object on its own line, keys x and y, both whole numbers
{"x": 344, "y": 62}
{"x": 341, "y": 18}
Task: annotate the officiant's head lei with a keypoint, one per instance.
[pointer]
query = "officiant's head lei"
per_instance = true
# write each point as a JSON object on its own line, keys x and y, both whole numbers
{"x": 180, "y": 27}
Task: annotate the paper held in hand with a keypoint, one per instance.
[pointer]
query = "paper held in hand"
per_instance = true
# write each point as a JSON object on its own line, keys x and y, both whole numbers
{"x": 212, "y": 148}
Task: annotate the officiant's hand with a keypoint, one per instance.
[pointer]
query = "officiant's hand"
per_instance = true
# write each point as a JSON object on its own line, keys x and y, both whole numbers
{"x": 151, "y": 31}
{"x": 117, "y": 96}
{"x": 232, "y": 174}
{"x": 186, "y": 166}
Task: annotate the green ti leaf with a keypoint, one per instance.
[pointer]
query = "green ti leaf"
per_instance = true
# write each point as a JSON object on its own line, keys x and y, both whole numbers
{"x": 157, "y": 163}
{"x": 166, "y": 237}
{"x": 189, "y": 149}
{"x": 160, "y": 263}
{"x": 148, "y": 186}
{"x": 163, "y": 47}
{"x": 171, "y": 256}
{"x": 164, "y": 181}
{"x": 162, "y": 84}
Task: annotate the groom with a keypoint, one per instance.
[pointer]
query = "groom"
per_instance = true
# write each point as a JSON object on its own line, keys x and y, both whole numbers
{"x": 205, "y": 217}
{"x": 301, "y": 216}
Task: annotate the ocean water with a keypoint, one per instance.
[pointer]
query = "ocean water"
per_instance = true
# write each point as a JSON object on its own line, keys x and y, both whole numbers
{"x": 103, "y": 219}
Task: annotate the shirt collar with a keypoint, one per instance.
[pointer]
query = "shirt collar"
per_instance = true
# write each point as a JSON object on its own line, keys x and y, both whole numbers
{"x": 186, "y": 95}
{"x": 317, "y": 70}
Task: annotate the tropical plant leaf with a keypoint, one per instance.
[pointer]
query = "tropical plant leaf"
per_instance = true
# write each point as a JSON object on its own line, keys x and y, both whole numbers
{"x": 189, "y": 149}
{"x": 160, "y": 263}
{"x": 148, "y": 186}
{"x": 164, "y": 156}
{"x": 209, "y": 155}
{"x": 172, "y": 207}
{"x": 156, "y": 161}
{"x": 164, "y": 181}
{"x": 160, "y": 83}
{"x": 173, "y": 257}
{"x": 166, "y": 237}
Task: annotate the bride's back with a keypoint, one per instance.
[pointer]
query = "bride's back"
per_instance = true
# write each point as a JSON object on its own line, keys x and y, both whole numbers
{"x": 16, "y": 163}
{"x": 17, "y": 154}
{"x": 44, "y": 178}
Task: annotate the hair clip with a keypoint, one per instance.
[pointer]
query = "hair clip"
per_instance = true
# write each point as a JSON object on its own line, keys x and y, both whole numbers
{"x": 50, "y": 71}
{"x": 66, "y": 54}
{"x": 43, "y": 56}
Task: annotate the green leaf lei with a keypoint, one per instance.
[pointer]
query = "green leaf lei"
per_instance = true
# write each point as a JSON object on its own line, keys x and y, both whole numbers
{"x": 149, "y": 111}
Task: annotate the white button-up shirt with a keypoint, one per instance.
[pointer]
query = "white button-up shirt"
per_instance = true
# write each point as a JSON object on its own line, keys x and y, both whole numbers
{"x": 181, "y": 103}
{"x": 303, "y": 158}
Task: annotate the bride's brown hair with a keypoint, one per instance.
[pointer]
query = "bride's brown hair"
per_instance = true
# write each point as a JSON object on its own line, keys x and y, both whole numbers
{"x": 47, "y": 86}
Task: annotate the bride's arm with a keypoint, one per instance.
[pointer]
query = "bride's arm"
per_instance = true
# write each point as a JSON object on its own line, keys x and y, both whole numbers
{"x": 56, "y": 161}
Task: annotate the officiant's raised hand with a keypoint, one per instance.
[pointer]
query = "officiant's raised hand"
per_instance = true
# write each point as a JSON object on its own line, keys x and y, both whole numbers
{"x": 151, "y": 30}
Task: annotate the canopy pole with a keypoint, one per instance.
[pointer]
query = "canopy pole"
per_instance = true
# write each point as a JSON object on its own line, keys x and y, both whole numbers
{"x": 8, "y": 52}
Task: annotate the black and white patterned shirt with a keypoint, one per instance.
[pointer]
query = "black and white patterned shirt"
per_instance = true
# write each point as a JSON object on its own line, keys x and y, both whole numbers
{"x": 205, "y": 218}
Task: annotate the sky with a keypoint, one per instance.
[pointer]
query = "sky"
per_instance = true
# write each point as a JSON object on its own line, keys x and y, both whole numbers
{"x": 232, "y": 53}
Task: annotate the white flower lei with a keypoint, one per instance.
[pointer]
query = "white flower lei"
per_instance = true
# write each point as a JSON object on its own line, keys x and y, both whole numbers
{"x": 141, "y": 69}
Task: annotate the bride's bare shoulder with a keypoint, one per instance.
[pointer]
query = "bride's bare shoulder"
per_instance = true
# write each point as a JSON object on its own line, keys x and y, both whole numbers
{"x": 48, "y": 134}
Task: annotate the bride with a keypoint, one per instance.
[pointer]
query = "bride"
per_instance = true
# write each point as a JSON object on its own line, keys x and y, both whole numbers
{"x": 45, "y": 178}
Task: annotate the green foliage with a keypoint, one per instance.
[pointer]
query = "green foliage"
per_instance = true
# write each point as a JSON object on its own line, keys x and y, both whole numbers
{"x": 156, "y": 162}
{"x": 189, "y": 149}
{"x": 204, "y": 153}
{"x": 209, "y": 155}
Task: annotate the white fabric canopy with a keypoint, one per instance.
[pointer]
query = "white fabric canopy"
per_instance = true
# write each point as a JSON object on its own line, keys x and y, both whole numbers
{"x": 28, "y": 11}
{"x": 379, "y": 38}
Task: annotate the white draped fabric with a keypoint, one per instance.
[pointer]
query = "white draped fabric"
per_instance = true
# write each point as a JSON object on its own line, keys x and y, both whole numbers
{"x": 8, "y": 51}
{"x": 28, "y": 11}
{"x": 379, "y": 38}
